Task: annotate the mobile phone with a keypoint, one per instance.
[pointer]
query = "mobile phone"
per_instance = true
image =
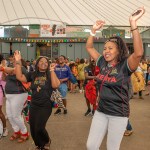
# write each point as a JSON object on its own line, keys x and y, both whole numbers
{"x": 136, "y": 13}
{"x": 19, "y": 52}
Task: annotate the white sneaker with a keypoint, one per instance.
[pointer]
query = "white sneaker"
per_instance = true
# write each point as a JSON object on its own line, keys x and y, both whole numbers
{"x": 5, "y": 133}
{"x": 80, "y": 91}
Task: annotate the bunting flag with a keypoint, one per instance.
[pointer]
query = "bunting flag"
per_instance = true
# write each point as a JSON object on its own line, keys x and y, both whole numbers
{"x": 35, "y": 40}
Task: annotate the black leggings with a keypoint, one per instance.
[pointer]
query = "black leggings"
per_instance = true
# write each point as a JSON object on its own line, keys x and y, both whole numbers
{"x": 140, "y": 93}
{"x": 38, "y": 117}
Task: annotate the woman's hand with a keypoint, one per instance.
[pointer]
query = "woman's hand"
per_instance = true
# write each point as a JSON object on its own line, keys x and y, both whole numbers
{"x": 17, "y": 55}
{"x": 137, "y": 14}
{"x": 52, "y": 66}
{"x": 98, "y": 25}
{"x": 4, "y": 63}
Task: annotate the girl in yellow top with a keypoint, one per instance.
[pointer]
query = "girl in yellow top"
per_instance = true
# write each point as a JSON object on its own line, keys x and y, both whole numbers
{"x": 81, "y": 76}
{"x": 138, "y": 82}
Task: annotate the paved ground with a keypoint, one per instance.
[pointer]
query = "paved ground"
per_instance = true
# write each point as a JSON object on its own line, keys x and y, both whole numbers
{"x": 69, "y": 132}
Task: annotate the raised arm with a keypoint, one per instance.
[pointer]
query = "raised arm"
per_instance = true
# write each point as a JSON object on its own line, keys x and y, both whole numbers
{"x": 54, "y": 80}
{"x": 135, "y": 57}
{"x": 21, "y": 77}
{"x": 89, "y": 45}
{"x": 7, "y": 70}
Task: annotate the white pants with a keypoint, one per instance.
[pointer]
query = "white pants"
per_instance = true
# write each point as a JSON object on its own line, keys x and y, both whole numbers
{"x": 102, "y": 123}
{"x": 14, "y": 107}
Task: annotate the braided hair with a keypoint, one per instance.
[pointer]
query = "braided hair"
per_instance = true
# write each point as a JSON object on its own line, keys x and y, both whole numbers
{"x": 37, "y": 69}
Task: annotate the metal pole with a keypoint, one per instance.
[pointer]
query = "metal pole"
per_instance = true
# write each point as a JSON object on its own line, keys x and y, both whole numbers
{"x": 27, "y": 51}
{"x": 51, "y": 50}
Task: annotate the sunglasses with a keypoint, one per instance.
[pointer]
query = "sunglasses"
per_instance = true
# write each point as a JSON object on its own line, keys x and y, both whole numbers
{"x": 112, "y": 40}
{"x": 43, "y": 57}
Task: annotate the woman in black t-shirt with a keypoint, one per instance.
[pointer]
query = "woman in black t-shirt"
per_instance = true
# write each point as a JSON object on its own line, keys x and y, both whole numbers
{"x": 43, "y": 80}
{"x": 115, "y": 70}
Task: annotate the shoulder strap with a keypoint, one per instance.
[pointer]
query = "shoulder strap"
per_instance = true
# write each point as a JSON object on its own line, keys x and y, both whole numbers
{"x": 2, "y": 90}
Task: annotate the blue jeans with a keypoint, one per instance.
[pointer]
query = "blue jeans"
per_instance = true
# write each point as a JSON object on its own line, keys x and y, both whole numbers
{"x": 73, "y": 79}
{"x": 63, "y": 90}
{"x": 129, "y": 127}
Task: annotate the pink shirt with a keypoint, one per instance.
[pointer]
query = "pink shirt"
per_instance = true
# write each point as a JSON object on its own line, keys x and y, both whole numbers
{"x": 3, "y": 83}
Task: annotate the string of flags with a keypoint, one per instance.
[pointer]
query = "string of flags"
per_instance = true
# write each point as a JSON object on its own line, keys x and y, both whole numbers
{"x": 32, "y": 40}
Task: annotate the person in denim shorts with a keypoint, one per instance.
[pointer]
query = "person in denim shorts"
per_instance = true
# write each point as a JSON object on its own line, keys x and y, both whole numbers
{"x": 63, "y": 73}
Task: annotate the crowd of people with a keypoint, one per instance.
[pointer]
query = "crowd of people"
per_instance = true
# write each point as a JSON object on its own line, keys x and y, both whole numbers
{"x": 111, "y": 78}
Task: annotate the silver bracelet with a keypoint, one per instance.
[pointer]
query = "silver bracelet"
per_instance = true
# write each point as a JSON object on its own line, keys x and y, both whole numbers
{"x": 18, "y": 63}
{"x": 92, "y": 34}
{"x": 51, "y": 70}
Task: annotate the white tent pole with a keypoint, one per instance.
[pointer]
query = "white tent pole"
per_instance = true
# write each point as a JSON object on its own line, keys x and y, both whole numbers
{"x": 51, "y": 50}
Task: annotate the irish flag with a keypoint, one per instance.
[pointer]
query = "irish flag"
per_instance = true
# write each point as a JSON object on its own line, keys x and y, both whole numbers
{"x": 34, "y": 31}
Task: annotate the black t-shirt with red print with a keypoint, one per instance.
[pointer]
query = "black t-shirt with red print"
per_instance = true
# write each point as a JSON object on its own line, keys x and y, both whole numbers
{"x": 113, "y": 83}
{"x": 41, "y": 89}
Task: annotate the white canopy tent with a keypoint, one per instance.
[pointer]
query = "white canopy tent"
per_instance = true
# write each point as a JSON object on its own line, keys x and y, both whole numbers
{"x": 71, "y": 12}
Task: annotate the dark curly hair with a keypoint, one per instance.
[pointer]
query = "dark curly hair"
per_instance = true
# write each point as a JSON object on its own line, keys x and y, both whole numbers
{"x": 122, "y": 47}
{"x": 1, "y": 58}
{"x": 82, "y": 61}
{"x": 37, "y": 69}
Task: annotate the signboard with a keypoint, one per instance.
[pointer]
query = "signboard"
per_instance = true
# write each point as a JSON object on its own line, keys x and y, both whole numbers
{"x": 53, "y": 30}
{"x": 34, "y": 30}
{"x": 111, "y": 31}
